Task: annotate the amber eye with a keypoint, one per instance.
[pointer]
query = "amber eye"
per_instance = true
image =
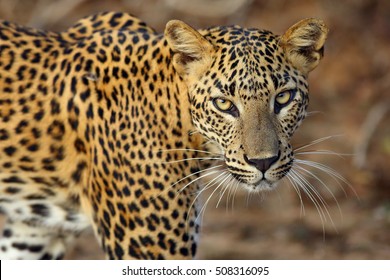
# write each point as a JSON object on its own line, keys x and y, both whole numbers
{"x": 225, "y": 106}
{"x": 283, "y": 98}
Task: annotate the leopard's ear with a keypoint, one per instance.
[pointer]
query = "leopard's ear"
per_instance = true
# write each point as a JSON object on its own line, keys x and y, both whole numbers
{"x": 192, "y": 52}
{"x": 303, "y": 44}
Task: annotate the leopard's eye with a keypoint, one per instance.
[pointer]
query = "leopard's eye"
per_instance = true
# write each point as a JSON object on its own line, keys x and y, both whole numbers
{"x": 225, "y": 106}
{"x": 283, "y": 98}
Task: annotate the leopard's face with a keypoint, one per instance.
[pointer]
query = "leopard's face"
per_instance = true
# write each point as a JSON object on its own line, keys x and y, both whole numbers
{"x": 248, "y": 94}
{"x": 250, "y": 101}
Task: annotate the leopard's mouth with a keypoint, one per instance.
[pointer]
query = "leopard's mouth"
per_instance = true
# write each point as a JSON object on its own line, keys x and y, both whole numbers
{"x": 252, "y": 181}
{"x": 259, "y": 185}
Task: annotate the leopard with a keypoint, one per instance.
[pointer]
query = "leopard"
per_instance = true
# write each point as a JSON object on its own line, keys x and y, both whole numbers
{"x": 113, "y": 126}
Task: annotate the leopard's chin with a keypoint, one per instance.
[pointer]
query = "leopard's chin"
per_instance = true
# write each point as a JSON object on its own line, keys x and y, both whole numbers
{"x": 262, "y": 185}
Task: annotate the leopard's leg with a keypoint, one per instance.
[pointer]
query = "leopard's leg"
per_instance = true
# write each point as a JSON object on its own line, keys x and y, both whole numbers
{"x": 23, "y": 240}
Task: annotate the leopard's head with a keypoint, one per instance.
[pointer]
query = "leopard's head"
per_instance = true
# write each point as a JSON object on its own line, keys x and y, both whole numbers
{"x": 248, "y": 91}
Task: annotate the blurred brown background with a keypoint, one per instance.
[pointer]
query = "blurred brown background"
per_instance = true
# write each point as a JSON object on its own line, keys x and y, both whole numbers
{"x": 350, "y": 97}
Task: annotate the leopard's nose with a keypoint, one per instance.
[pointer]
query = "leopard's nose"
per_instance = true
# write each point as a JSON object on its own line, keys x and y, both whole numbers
{"x": 262, "y": 164}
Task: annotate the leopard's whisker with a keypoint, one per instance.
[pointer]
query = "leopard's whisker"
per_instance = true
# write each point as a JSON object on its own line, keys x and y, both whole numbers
{"x": 186, "y": 177}
{"x": 188, "y": 150}
{"x": 313, "y": 190}
{"x": 206, "y": 187}
{"x": 203, "y": 209}
{"x": 309, "y": 114}
{"x": 192, "y": 132}
{"x": 307, "y": 191}
{"x": 322, "y": 152}
{"x": 235, "y": 183}
{"x": 195, "y": 173}
{"x": 225, "y": 188}
{"x": 320, "y": 166}
{"x": 209, "y": 185}
{"x": 229, "y": 189}
{"x": 248, "y": 196}
{"x": 188, "y": 159}
{"x": 195, "y": 180}
{"x": 321, "y": 200}
{"x": 315, "y": 142}
{"x": 207, "y": 142}
{"x": 331, "y": 172}
{"x": 321, "y": 182}
{"x": 298, "y": 191}
{"x": 234, "y": 194}
{"x": 316, "y": 198}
